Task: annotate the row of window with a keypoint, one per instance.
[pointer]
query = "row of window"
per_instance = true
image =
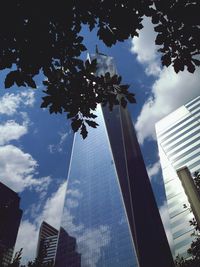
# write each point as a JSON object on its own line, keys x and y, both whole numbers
{"x": 193, "y": 107}
{"x": 184, "y": 240}
{"x": 189, "y": 151}
{"x": 187, "y": 129}
{"x": 191, "y": 118}
{"x": 187, "y": 160}
{"x": 182, "y": 147}
{"x": 179, "y": 219}
{"x": 181, "y": 142}
{"x": 192, "y": 102}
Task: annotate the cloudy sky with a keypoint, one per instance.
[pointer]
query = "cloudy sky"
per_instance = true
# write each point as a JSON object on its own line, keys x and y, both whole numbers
{"x": 35, "y": 146}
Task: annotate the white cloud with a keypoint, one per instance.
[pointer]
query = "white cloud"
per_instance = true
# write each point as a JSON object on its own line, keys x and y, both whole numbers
{"x": 153, "y": 169}
{"x": 10, "y": 103}
{"x": 53, "y": 208}
{"x": 17, "y": 169}
{"x": 28, "y": 232}
{"x": 53, "y": 148}
{"x": 90, "y": 240}
{"x": 27, "y": 239}
{"x": 165, "y": 219}
{"x": 145, "y": 49}
{"x": 169, "y": 92}
{"x": 11, "y": 131}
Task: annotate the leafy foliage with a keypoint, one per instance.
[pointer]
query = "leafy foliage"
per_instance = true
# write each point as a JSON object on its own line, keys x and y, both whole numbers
{"x": 178, "y": 33}
{"x": 79, "y": 94}
{"x": 38, "y": 262}
{"x": 44, "y": 36}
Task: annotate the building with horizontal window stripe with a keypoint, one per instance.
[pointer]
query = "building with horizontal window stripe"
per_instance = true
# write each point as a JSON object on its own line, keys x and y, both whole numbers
{"x": 47, "y": 243}
{"x": 178, "y": 136}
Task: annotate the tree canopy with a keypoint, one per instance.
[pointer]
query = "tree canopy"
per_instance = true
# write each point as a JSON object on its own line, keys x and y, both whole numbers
{"x": 45, "y": 36}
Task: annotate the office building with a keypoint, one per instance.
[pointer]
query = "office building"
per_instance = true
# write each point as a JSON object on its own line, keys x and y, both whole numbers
{"x": 109, "y": 206}
{"x": 10, "y": 217}
{"x": 178, "y": 136}
{"x": 47, "y": 243}
{"x": 67, "y": 254}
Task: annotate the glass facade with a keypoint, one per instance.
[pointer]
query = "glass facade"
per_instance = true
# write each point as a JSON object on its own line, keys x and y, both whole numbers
{"x": 105, "y": 214}
{"x": 178, "y": 137}
{"x": 94, "y": 213}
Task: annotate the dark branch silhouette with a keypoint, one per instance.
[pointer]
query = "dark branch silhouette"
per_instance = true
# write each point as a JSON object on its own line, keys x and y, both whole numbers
{"x": 44, "y": 36}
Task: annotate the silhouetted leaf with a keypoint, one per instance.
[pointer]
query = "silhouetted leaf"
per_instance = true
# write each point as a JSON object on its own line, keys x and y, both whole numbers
{"x": 155, "y": 19}
{"x": 76, "y": 124}
{"x": 30, "y": 82}
{"x": 160, "y": 39}
{"x": 92, "y": 124}
{"x": 47, "y": 100}
{"x": 10, "y": 79}
{"x": 178, "y": 65}
{"x": 91, "y": 115}
{"x": 190, "y": 67}
{"x": 131, "y": 98}
{"x": 71, "y": 115}
{"x": 196, "y": 62}
{"x": 159, "y": 28}
{"x": 123, "y": 102}
{"x": 84, "y": 131}
{"x": 38, "y": 41}
{"x": 166, "y": 59}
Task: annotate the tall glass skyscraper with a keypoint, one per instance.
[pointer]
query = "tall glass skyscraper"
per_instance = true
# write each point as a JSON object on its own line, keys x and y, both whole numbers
{"x": 178, "y": 136}
{"x": 109, "y": 208}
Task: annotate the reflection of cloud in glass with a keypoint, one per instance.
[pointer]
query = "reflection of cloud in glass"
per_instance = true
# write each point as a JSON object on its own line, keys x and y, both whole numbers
{"x": 71, "y": 203}
{"x": 90, "y": 241}
{"x": 75, "y": 182}
{"x": 67, "y": 222}
{"x": 74, "y": 193}
{"x": 90, "y": 244}
{"x": 122, "y": 221}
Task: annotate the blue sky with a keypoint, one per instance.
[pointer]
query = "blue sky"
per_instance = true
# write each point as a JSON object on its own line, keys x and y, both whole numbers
{"x": 35, "y": 147}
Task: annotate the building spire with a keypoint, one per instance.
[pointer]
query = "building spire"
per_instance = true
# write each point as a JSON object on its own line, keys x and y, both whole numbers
{"x": 98, "y": 53}
{"x": 97, "y": 50}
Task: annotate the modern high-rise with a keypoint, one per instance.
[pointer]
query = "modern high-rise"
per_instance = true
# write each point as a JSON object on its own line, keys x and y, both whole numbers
{"x": 178, "y": 136}
{"x": 47, "y": 243}
{"x": 109, "y": 206}
{"x": 67, "y": 254}
{"x": 10, "y": 217}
